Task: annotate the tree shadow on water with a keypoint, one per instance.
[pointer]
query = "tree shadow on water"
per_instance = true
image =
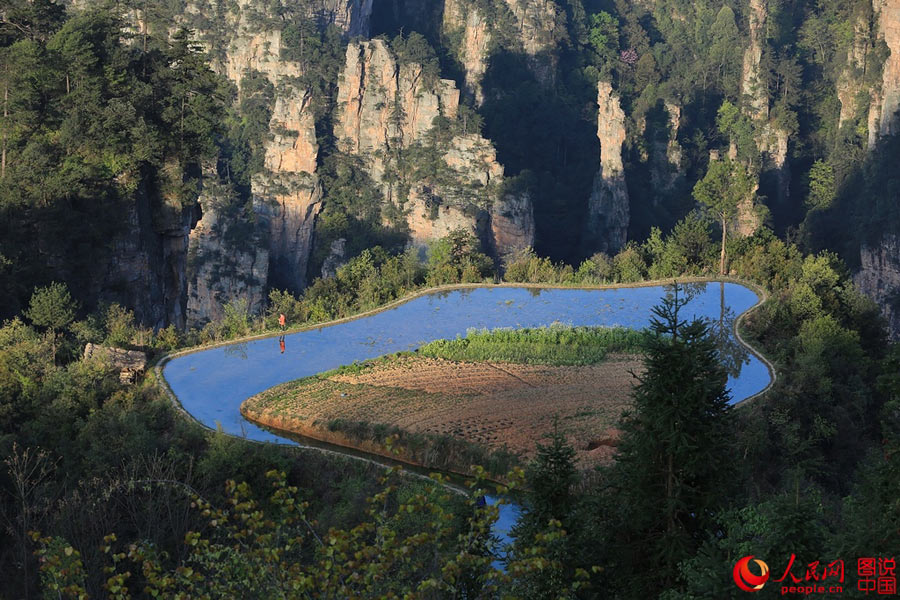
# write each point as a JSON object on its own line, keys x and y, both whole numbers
{"x": 732, "y": 353}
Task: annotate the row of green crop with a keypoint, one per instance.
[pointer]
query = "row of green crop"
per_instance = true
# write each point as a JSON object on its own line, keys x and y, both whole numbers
{"x": 554, "y": 345}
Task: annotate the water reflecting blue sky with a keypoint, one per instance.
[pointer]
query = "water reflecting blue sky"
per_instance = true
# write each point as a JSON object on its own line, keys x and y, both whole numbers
{"x": 211, "y": 384}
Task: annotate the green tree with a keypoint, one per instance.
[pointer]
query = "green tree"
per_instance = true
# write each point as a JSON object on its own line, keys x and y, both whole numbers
{"x": 457, "y": 258}
{"x": 21, "y": 96}
{"x": 777, "y": 526}
{"x": 415, "y": 49}
{"x": 194, "y": 98}
{"x": 672, "y": 471}
{"x": 721, "y": 191}
{"x": 739, "y": 129}
{"x": 237, "y": 319}
{"x": 822, "y": 186}
{"x": 550, "y": 479}
{"x": 551, "y": 500}
{"x": 604, "y": 38}
{"x": 52, "y": 307}
{"x": 725, "y": 51}
{"x": 629, "y": 264}
{"x": 120, "y": 327}
{"x": 34, "y": 20}
{"x": 873, "y": 512}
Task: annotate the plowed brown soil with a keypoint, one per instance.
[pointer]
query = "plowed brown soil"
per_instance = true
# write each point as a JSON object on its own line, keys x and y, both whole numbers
{"x": 492, "y": 404}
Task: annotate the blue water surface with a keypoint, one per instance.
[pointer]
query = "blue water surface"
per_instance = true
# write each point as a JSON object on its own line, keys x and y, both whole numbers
{"x": 212, "y": 384}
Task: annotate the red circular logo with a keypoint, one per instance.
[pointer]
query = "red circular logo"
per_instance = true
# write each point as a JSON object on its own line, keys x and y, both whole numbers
{"x": 746, "y": 580}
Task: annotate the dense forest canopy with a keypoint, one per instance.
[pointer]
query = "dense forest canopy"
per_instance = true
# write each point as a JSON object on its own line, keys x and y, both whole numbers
{"x": 181, "y": 173}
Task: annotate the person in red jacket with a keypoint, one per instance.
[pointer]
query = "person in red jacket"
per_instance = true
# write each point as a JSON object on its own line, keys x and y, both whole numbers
{"x": 282, "y": 320}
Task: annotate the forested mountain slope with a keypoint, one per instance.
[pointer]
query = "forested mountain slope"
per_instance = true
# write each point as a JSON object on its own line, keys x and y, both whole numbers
{"x": 329, "y": 126}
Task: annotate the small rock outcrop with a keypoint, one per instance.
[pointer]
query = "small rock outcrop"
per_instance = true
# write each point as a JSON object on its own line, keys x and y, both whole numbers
{"x": 512, "y": 224}
{"x": 879, "y": 278}
{"x": 608, "y": 206}
{"x": 337, "y": 257}
{"x": 429, "y": 219}
{"x": 665, "y": 153}
{"x": 673, "y": 148}
{"x": 129, "y": 363}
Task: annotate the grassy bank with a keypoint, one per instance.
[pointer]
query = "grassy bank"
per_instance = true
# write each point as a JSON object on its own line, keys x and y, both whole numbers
{"x": 556, "y": 345}
{"x": 443, "y": 452}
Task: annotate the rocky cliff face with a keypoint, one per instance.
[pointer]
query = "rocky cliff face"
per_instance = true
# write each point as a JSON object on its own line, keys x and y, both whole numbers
{"x": 879, "y": 274}
{"x": 147, "y": 262}
{"x": 753, "y": 84}
{"x": 664, "y": 155}
{"x": 351, "y": 16}
{"x": 512, "y": 224}
{"x": 382, "y": 105}
{"x": 386, "y": 111}
{"x": 771, "y": 141}
{"x": 876, "y": 37}
{"x": 476, "y": 39}
{"x": 887, "y": 102}
{"x": 152, "y": 254}
{"x": 228, "y": 261}
{"x": 541, "y": 27}
{"x": 286, "y": 195}
{"x": 287, "y": 204}
{"x": 382, "y": 108}
{"x": 851, "y": 80}
{"x": 673, "y": 149}
{"x": 537, "y": 28}
{"x": 875, "y": 45}
{"x": 608, "y": 208}
{"x": 879, "y": 278}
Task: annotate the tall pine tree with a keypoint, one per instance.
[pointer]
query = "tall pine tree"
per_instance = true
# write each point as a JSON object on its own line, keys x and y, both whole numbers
{"x": 548, "y": 516}
{"x": 673, "y": 470}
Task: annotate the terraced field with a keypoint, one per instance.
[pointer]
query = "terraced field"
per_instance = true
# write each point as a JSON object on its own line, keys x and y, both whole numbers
{"x": 496, "y": 405}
